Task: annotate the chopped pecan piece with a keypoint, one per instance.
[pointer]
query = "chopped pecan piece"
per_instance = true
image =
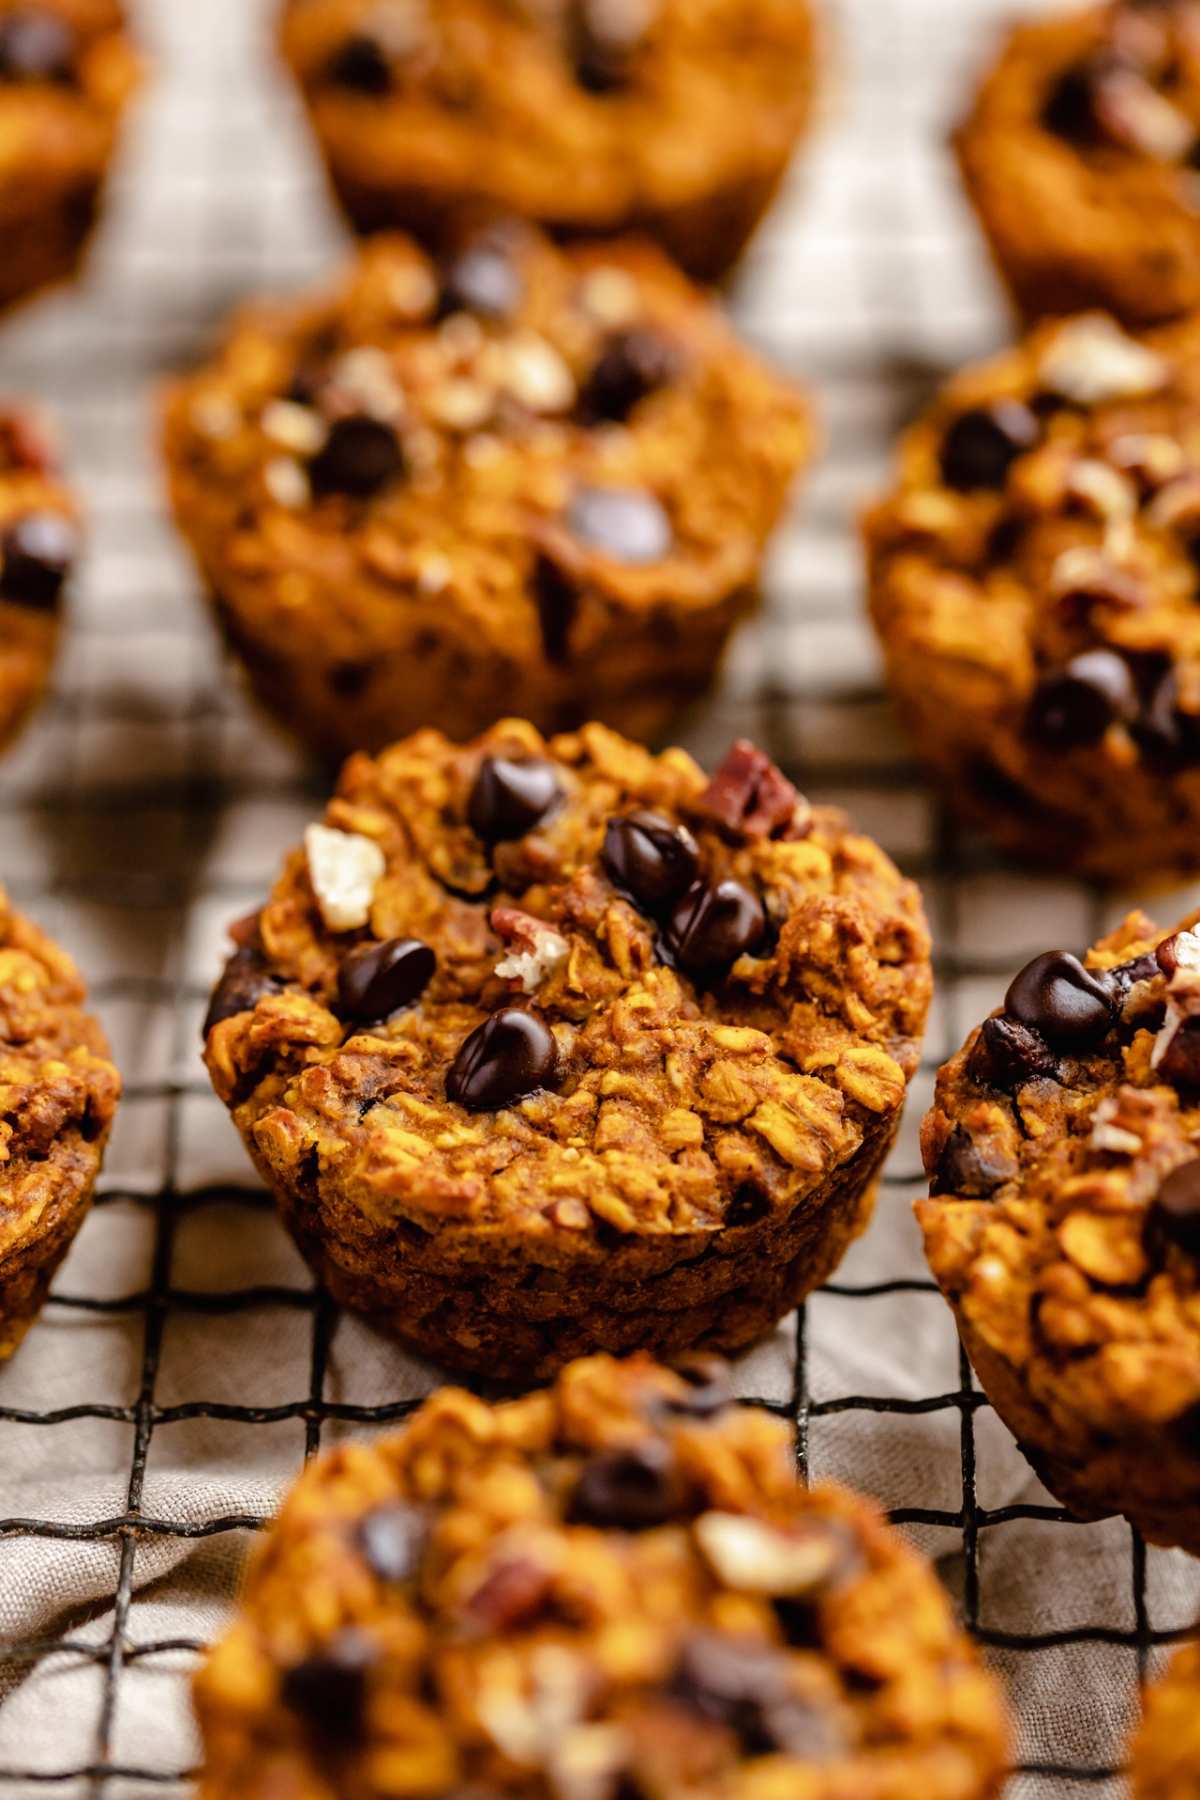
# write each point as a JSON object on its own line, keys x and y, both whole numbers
{"x": 750, "y": 797}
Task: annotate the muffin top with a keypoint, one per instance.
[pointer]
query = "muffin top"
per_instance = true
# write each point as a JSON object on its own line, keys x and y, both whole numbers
{"x": 60, "y": 1088}
{"x": 613, "y": 1586}
{"x": 587, "y": 108}
{"x": 571, "y": 987}
{"x": 67, "y": 67}
{"x": 489, "y": 434}
{"x": 1064, "y": 1154}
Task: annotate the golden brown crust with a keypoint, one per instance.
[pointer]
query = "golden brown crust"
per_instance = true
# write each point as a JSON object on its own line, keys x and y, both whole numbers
{"x": 1077, "y": 1298}
{"x": 983, "y": 595}
{"x": 57, "y": 139}
{"x": 1109, "y": 216}
{"x": 58, "y": 1096}
{"x": 1165, "y": 1759}
{"x": 460, "y": 589}
{"x": 486, "y": 108}
{"x": 706, "y": 1155}
{"x": 543, "y": 1625}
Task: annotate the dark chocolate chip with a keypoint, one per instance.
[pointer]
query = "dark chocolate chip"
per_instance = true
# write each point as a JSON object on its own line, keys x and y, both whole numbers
{"x": 1062, "y": 1001}
{"x": 360, "y": 457}
{"x": 1077, "y": 704}
{"x": 650, "y": 859}
{"x": 981, "y": 445}
{"x": 511, "y": 1055}
{"x": 361, "y": 64}
{"x": 247, "y": 977}
{"x": 1074, "y": 107}
{"x": 602, "y": 38}
{"x": 36, "y": 45}
{"x": 632, "y": 1488}
{"x": 482, "y": 278}
{"x": 392, "y": 1540}
{"x": 710, "y": 927}
{"x": 1007, "y": 1054}
{"x": 1174, "y": 1216}
{"x": 376, "y": 980}
{"x": 37, "y": 553}
{"x": 328, "y": 1691}
{"x": 510, "y": 798}
{"x": 1168, "y": 736}
{"x": 1180, "y": 1063}
{"x": 557, "y": 599}
{"x": 1125, "y": 976}
{"x": 632, "y": 365}
{"x": 963, "y": 1168}
{"x": 625, "y": 523}
{"x": 709, "y": 1387}
{"x": 742, "y": 1683}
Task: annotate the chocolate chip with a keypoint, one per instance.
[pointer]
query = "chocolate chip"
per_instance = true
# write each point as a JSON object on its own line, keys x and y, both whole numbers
{"x": 1074, "y": 107}
{"x": 602, "y": 38}
{"x": 1125, "y": 976}
{"x": 632, "y": 1488}
{"x": 328, "y": 1690}
{"x": 510, "y": 798}
{"x": 981, "y": 445}
{"x": 1168, "y": 736}
{"x": 557, "y": 599}
{"x": 963, "y": 1168}
{"x": 376, "y": 980}
{"x": 632, "y": 365}
{"x": 712, "y": 926}
{"x": 742, "y": 1683}
{"x": 360, "y": 457}
{"x": 624, "y": 523}
{"x": 750, "y": 798}
{"x": 36, "y": 45}
{"x": 709, "y": 1387}
{"x": 37, "y": 553}
{"x": 1007, "y": 1053}
{"x": 1174, "y": 1216}
{"x": 1076, "y": 705}
{"x": 482, "y": 278}
{"x": 392, "y": 1540}
{"x": 1062, "y": 1001}
{"x": 650, "y": 859}
{"x": 247, "y": 977}
{"x": 1180, "y": 1063}
{"x": 512, "y": 1054}
{"x": 361, "y": 64}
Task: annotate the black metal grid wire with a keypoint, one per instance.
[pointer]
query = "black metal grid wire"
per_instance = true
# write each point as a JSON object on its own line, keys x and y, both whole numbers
{"x": 60, "y": 802}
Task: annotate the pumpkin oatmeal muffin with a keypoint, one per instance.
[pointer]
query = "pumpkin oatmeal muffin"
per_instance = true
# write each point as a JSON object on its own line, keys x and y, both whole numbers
{"x": 1063, "y": 1223}
{"x": 60, "y": 1097}
{"x": 1165, "y": 1760}
{"x": 1035, "y": 581}
{"x": 40, "y": 540}
{"x": 1081, "y": 156}
{"x": 67, "y": 72}
{"x": 579, "y": 114}
{"x": 547, "y": 1047}
{"x": 516, "y": 480}
{"x": 614, "y": 1587}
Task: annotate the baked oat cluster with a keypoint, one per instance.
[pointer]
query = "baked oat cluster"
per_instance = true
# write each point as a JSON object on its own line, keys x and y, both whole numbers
{"x": 67, "y": 72}
{"x": 1035, "y": 581}
{"x": 1081, "y": 156}
{"x": 40, "y": 541}
{"x": 581, "y": 114}
{"x": 510, "y": 480}
{"x": 1165, "y": 1760}
{"x": 612, "y": 1588}
{"x": 553, "y": 1046}
{"x": 1064, "y": 1221}
{"x": 60, "y": 1094}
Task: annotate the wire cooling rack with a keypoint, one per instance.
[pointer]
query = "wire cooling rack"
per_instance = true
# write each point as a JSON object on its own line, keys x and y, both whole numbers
{"x": 185, "y": 1365}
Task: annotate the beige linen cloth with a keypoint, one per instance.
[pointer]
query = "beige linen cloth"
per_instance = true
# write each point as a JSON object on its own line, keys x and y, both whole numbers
{"x": 147, "y": 807}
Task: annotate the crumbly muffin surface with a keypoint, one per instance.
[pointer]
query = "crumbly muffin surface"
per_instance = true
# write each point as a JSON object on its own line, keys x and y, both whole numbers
{"x": 580, "y": 115}
{"x": 1036, "y": 586}
{"x": 615, "y": 1586}
{"x": 1064, "y": 1220}
{"x": 60, "y": 1096}
{"x": 651, "y": 1008}
{"x": 1165, "y": 1759}
{"x": 515, "y": 479}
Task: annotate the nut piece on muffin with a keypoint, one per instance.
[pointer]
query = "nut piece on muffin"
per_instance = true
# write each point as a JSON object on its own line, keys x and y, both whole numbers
{"x": 1063, "y": 1223}
{"x": 1164, "y": 1761}
{"x": 67, "y": 72}
{"x": 515, "y": 480}
{"x": 40, "y": 540}
{"x": 1081, "y": 156}
{"x": 582, "y": 115}
{"x": 1035, "y": 582}
{"x": 616, "y": 1586}
{"x": 62, "y": 1092}
{"x": 547, "y": 1047}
